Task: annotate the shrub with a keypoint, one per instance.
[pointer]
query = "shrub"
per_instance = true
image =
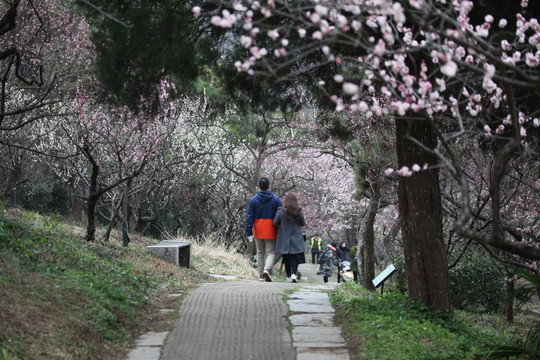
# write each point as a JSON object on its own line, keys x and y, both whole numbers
{"x": 476, "y": 283}
{"x": 398, "y": 281}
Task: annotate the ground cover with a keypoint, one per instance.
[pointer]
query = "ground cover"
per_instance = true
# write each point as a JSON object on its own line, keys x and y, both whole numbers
{"x": 64, "y": 298}
{"x": 392, "y": 326}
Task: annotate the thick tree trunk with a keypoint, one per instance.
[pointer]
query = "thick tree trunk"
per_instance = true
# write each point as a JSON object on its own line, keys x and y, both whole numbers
{"x": 368, "y": 248}
{"x": 421, "y": 217}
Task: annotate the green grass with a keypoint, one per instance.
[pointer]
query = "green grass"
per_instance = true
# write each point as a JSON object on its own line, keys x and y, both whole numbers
{"x": 63, "y": 298}
{"x": 392, "y": 326}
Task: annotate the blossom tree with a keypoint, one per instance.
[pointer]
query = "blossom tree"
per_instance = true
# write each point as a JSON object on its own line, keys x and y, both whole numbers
{"x": 43, "y": 49}
{"x": 105, "y": 147}
{"x": 444, "y": 68}
{"x": 272, "y": 145}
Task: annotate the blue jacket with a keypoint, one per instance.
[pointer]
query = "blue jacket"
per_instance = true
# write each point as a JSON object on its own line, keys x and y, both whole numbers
{"x": 261, "y": 210}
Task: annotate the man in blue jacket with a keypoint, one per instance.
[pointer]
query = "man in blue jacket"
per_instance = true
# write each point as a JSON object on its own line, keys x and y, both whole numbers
{"x": 261, "y": 211}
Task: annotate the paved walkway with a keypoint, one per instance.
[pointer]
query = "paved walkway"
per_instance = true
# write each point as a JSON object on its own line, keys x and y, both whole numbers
{"x": 247, "y": 320}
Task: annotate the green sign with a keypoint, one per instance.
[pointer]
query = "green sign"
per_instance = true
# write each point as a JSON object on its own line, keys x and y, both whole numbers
{"x": 384, "y": 275}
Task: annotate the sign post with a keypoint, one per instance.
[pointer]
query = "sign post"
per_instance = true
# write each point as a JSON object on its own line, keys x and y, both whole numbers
{"x": 385, "y": 274}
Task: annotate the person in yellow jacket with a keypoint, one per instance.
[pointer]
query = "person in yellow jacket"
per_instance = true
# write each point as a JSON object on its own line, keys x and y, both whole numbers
{"x": 316, "y": 248}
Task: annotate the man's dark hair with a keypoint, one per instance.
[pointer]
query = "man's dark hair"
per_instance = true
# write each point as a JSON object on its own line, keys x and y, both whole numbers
{"x": 264, "y": 183}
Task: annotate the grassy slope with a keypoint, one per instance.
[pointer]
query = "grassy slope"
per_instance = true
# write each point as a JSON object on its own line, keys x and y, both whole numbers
{"x": 62, "y": 298}
{"x": 391, "y": 326}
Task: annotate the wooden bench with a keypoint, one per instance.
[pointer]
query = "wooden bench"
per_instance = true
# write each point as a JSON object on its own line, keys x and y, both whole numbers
{"x": 173, "y": 251}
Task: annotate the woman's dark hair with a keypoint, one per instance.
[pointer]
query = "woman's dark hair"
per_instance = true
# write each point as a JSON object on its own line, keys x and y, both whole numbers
{"x": 290, "y": 205}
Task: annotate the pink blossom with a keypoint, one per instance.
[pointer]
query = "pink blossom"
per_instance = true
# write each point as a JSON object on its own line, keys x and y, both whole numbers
{"x": 380, "y": 48}
{"x": 350, "y": 88}
{"x": 321, "y": 10}
{"x": 245, "y": 41}
{"x": 196, "y": 10}
{"x": 405, "y": 171}
{"x": 315, "y": 18}
{"x": 215, "y": 20}
{"x": 449, "y": 69}
{"x": 388, "y": 172}
{"x": 490, "y": 70}
{"x": 273, "y": 34}
{"x": 258, "y": 53}
{"x": 531, "y": 59}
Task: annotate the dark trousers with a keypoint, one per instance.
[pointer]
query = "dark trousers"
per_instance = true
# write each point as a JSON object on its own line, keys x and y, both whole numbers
{"x": 314, "y": 257}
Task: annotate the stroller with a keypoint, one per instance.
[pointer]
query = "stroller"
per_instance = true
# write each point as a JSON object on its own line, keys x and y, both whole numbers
{"x": 345, "y": 271}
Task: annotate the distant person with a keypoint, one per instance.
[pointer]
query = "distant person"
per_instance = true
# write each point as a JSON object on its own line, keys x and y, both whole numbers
{"x": 316, "y": 248}
{"x": 354, "y": 263}
{"x": 290, "y": 240}
{"x": 261, "y": 211}
{"x": 327, "y": 261}
{"x": 341, "y": 252}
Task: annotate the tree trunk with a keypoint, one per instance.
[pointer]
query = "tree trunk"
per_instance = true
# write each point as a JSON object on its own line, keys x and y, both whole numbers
{"x": 510, "y": 295}
{"x": 421, "y": 216}
{"x": 93, "y": 198}
{"x": 368, "y": 247}
{"x": 125, "y": 217}
{"x": 91, "y": 216}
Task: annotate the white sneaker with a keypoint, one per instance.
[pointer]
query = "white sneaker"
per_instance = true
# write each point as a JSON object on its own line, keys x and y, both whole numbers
{"x": 289, "y": 279}
{"x": 293, "y": 278}
{"x": 266, "y": 275}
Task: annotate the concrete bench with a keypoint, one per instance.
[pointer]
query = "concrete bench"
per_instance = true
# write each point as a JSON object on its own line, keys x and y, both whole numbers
{"x": 173, "y": 251}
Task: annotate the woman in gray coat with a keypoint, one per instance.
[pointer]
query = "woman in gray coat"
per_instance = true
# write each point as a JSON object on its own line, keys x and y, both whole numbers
{"x": 290, "y": 240}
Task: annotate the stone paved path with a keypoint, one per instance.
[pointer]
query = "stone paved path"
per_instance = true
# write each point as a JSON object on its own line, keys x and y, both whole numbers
{"x": 233, "y": 320}
{"x": 245, "y": 320}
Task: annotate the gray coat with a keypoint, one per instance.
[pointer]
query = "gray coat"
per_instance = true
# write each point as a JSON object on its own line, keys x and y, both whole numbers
{"x": 290, "y": 239}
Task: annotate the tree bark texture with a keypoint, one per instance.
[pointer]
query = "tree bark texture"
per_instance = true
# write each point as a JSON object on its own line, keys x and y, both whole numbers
{"x": 368, "y": 248}
{"x": 421, "y": 216}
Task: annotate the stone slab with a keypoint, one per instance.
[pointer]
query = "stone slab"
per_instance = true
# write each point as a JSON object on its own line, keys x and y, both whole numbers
{"x": 313, "y": 337}
{"x": 300, "y": 306}
{"x": 322, "y": 354}
{"x": 311, "y": 297}
{"x": 312, "y": 332}
{"x": 145, "y": 353}
{"x": 312, "y": 319}
{"x": 225, "y": 277}
{"x": 152, "y": 338}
